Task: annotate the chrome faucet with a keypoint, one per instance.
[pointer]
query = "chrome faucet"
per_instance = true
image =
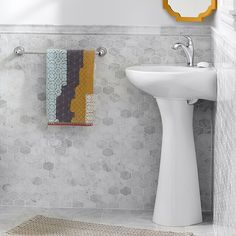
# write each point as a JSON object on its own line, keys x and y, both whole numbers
{"x": 188, "y": 50}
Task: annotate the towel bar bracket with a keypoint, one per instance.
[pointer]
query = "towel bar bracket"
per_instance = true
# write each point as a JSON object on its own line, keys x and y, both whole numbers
{"x": 101, "y": 51}
{"x": 19, "y": 51}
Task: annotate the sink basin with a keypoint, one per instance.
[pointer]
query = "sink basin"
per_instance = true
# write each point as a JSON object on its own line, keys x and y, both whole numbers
{"x": 178, "y": 200}
{"x": 174, "y": 81}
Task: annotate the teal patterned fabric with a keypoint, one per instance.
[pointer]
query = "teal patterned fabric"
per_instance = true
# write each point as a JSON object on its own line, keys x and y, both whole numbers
{"x": 56, "y": 78}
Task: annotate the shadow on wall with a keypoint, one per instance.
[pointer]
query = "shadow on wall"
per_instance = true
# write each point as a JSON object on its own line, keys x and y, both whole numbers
{"x": 87, "y": 12}
{"x": 21, "y": 14}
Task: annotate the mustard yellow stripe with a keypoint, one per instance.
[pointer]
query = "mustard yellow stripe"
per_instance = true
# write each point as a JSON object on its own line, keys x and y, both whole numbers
{"x": 86, "y": 77}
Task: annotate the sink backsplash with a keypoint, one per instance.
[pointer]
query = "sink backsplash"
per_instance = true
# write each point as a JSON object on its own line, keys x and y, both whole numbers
{"x": 113, "y": 164}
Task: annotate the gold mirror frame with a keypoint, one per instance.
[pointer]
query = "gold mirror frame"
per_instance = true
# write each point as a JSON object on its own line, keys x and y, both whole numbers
{"x": 200, "y": 17}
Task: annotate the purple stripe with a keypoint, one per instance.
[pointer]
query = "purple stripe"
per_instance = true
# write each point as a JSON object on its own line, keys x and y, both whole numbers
{"x": 74, "y": 64}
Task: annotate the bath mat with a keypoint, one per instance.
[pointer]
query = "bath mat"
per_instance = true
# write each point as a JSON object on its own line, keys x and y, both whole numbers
{"x": 44, "y": 226}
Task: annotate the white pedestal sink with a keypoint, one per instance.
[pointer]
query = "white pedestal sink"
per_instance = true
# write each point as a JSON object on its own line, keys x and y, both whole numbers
{"x": 178, "y": 197}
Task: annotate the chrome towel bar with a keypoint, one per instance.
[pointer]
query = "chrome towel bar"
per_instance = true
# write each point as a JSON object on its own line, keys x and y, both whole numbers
{"x": 19, "y": 51}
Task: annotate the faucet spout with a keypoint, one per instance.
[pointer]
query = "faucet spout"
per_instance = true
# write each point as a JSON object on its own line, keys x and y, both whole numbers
{"x": 176, "y": 46}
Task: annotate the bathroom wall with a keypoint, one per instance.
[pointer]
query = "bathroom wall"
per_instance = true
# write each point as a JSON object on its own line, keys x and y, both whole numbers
{"x": 225, "y": 135}
{"x": 224, "y": 48}
{"x": 113, "y": 164}
{"x": 86, "y": 12}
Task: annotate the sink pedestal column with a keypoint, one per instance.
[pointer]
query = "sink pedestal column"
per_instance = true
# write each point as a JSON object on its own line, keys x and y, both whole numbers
{"x": 178, "y": 196}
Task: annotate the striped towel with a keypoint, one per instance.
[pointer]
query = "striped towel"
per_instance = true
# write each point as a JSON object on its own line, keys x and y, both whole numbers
{"x": 70, "y": 76}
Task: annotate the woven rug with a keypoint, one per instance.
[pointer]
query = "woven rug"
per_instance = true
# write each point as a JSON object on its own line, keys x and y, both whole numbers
{"x": 44, "y": 226}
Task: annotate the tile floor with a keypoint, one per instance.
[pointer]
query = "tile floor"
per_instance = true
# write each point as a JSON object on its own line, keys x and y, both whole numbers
{"x": 12, "y": 216}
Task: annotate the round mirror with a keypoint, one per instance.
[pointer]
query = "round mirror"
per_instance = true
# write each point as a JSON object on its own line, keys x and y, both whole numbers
{"x": 190, "y": 10}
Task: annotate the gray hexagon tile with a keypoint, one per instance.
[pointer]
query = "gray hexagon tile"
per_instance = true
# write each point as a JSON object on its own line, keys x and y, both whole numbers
{"x": 108, "y": 165}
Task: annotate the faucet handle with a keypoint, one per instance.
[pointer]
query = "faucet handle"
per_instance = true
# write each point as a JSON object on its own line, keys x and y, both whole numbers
{"x": 190, "y": 41}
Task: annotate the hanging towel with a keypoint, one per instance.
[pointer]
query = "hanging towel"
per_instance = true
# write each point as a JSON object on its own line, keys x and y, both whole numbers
{"x": 70, "y": 76}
